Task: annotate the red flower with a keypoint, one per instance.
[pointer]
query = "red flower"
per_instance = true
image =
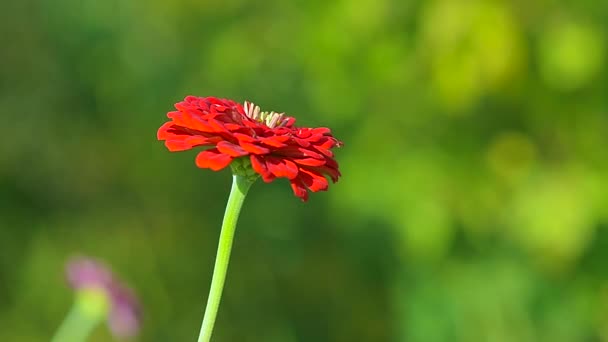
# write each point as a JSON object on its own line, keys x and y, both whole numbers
{"x": 275, "y": 147}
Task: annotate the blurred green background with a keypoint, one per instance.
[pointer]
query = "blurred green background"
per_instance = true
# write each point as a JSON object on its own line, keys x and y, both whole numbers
{"x": 474, "y": 199}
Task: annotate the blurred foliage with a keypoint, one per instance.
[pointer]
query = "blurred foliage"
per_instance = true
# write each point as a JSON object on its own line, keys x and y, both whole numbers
{"x": 474, "y": 201}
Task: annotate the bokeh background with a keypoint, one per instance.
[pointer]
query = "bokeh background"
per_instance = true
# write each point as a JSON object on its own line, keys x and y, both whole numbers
{"x": 474, "y": 199}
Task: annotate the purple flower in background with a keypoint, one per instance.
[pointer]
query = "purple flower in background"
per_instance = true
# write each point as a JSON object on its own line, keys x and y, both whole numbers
{"x": 124, "y": 314}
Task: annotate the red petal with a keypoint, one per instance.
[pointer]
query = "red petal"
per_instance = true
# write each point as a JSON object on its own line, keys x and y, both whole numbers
{"x": 244, "y": 137}
{"x": 298, "y": 152}
{"x": 301, "y": 142}
{"x": 217, "y": 101}
{"x": 177, "y": 145}
{"x": 163, "y": 131}
{"x": 299, "y": 189}
{"x": 321, "y": 130}
{"x": 309, "y": 161}
{"x": 333, "y": 173}
{"x": 180, "y": 142}
{"x": 325, "y": 151}
{"x": 216, "y": 126}
{"x": 212, "y": 159}
{"x": 231, "y": 149}
{"x": 239, "y": 108}
{"x": 277, "y": 141}
{"x": 259, "y": 166}
{"x": 251, "y": 124}
{"x": 331, "y": 163}
{"x": 197, "y": 140}
{"x": 282, "y": 167}
{"x": 253, "y": 148}
{"x": 289, "y": 122}
{"x": 302, "y": 133}
{"x": 281, "y": 132}
{"x": 232, "y": 126}
{"x": 315, "y": 138}
{"x": 218, "y": 108}
{"x": 326, "y": 143}
{"x": 186, "y": 119}
{"x": 313, "y": 180}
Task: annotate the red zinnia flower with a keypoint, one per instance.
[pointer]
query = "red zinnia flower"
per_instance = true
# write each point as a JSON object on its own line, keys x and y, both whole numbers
{"x": 275, "y": 147}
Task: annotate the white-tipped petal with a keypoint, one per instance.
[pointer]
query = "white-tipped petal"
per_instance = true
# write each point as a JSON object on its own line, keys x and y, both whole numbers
{"x": 271, "y": 119}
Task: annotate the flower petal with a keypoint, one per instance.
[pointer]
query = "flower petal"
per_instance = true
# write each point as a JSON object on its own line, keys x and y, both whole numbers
{"x": 244, "y": 137}
{"x": 177, "y": 145}
{"x": 302, "y": 142}
{"x": 320, "y": 130}
{"x": 163, "y": 131}
{"x": 327, "y": 143}
{"x": 231, "y": 149}
{"x": 325, "y": 151}
{"x": 213, "y": 159}
{"x": 255, "y": 149}
{"x": 87, "y": 273}
{"x": 297, "y": 152}
{"x": 309, "y": 161}
{"x": 186, "y": 143}
{"x": 313, "y": 180}
{"x": 289, "y": 122}
{"x": 299, "y": 189}
{"x": 232, "y": 126}
{"x": 282, "y": 167}
{"x": 125, "y": 316}
{"x": 276, "y": 141}
{"x": 259, "y": 166}
{"x": 186, "y": 119}
{"x": 217, "y": 126}
{"x": 333, "y": 173}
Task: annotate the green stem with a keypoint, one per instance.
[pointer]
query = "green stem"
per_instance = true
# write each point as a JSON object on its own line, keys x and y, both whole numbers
{"x": 76, "y": 326}
{"x": 240, "y": 186}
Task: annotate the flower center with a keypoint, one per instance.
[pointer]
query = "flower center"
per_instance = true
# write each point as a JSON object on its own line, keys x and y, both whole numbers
{"x": 271, "y": 119}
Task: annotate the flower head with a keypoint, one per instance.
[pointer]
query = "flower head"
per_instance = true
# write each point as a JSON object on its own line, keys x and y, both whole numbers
{"x": 267, "y": 141}
{"x": 124, "y": 314}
